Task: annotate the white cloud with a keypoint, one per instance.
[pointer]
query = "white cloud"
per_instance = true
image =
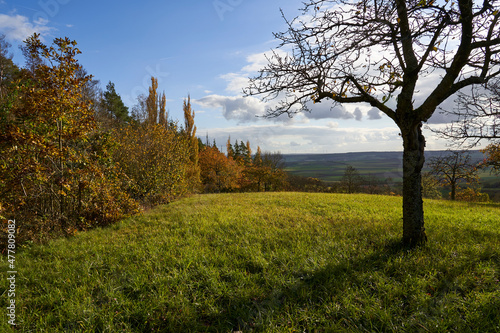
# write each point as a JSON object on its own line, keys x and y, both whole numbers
{"x": 357, "y": 114}
{"x": 374, "y": 114}
{"x": 257, "y": 61}
{"x": 325, "y": 110}
{"x": 241, "y": 109}
{"x": 236, "y": 82}
{"x": 41, "y": 21}
{"x": 18, "y": 27}
{"x": 308, "y": 132}
{"x": 310, "y": 139}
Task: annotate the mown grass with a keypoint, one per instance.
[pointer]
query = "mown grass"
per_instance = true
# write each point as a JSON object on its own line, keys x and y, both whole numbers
{"x": 273, "y": 262}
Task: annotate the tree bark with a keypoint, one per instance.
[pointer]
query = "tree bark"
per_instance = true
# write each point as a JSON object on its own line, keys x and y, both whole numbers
{"x": 413, "y": 209}
{"x": 453, "y": 190}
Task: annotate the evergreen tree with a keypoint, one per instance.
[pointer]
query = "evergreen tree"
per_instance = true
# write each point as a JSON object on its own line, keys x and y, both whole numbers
{"x": 229, "y": 148}
{"x": 113, "y": 105}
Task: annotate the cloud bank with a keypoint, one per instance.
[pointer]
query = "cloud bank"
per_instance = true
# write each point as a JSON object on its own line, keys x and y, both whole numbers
{"x": 17, "y": 27}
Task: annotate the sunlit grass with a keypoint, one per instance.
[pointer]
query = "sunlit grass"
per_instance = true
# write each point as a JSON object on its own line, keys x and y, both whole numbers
{"x": 272, "y": 262}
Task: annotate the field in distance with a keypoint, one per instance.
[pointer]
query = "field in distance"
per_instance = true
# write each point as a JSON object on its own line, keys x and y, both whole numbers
{"x": 381, "y": 165}
{"x": 267, "y": 262}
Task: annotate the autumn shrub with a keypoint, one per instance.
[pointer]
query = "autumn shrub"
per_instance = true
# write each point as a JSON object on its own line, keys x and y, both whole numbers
{"x": 472, "y": 195}
{"x": 155, "y": 158}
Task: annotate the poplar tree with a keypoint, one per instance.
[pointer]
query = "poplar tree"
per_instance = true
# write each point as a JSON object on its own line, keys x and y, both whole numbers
{"x": 152, "y": 102}
{"x": 229, "y": 148}
{"x": 190, "y": 131}
{"x": 248, "y": 154}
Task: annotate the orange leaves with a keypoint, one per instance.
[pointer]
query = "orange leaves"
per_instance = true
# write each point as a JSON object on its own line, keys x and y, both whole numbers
{"x": 52, "y": 170}
{"x": 218, "y": 173}
{"x": 492, "y": 160}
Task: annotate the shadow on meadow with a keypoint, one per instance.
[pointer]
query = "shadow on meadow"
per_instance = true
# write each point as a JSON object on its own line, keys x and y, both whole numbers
{"x": 389, "y": 289}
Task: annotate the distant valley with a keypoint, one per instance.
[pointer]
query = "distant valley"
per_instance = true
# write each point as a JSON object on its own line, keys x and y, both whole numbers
{"x": 385, "y": 166}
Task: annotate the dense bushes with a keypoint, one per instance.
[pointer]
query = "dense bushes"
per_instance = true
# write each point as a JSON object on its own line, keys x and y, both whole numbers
{"x": 240, "y": 170}
{"x": 155, "y": 159}
{"x": 56, "y": 170}
{"x": 65, "y": 167}
{"x": 218, "y": 172}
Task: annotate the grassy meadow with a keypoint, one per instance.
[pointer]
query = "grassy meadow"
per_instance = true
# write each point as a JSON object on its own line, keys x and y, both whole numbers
{"x": 267, "y": 262}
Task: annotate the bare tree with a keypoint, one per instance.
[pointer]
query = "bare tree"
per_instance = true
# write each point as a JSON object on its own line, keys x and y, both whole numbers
{"x": 454, "y": 168}
{"x": 351, "y": 180}
{"x": 375, "y": 52}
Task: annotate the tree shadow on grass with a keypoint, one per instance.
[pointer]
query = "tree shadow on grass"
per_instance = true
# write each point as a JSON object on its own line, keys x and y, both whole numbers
{"x": 377, "y": 292}
{"x": 352, "y": 288}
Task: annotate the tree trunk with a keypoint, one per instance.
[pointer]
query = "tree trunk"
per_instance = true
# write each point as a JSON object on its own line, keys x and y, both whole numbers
{"x": 453, "y": 190}
{"x": 413, "y": 210}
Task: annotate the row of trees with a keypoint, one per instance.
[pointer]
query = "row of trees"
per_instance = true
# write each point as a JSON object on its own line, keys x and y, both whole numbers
{"x": 239, "y": 170}
{"x": 73, "y": 157}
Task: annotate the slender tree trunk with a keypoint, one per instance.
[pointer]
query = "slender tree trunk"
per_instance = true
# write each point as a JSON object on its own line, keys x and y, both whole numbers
{"x": 61, "y": 170}
{"x": 413, "y": 210}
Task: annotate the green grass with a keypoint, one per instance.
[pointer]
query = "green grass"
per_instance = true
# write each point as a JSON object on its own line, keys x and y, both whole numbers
{"x": 272, "y": 262}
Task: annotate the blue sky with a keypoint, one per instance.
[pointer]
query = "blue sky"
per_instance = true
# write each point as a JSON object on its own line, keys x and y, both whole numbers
{"x": 205, "y": 48}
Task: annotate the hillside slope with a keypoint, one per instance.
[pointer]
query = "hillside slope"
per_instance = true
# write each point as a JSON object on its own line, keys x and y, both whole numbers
{"x": 267, "y": 262}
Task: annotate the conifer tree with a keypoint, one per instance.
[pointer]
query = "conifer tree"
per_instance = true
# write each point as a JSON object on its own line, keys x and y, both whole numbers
{"x": 113, "y": 105}
{"x": 229, "y": 148}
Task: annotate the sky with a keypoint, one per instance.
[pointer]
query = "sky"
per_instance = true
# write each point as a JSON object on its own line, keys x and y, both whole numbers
{"x": 206, "y": 49}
